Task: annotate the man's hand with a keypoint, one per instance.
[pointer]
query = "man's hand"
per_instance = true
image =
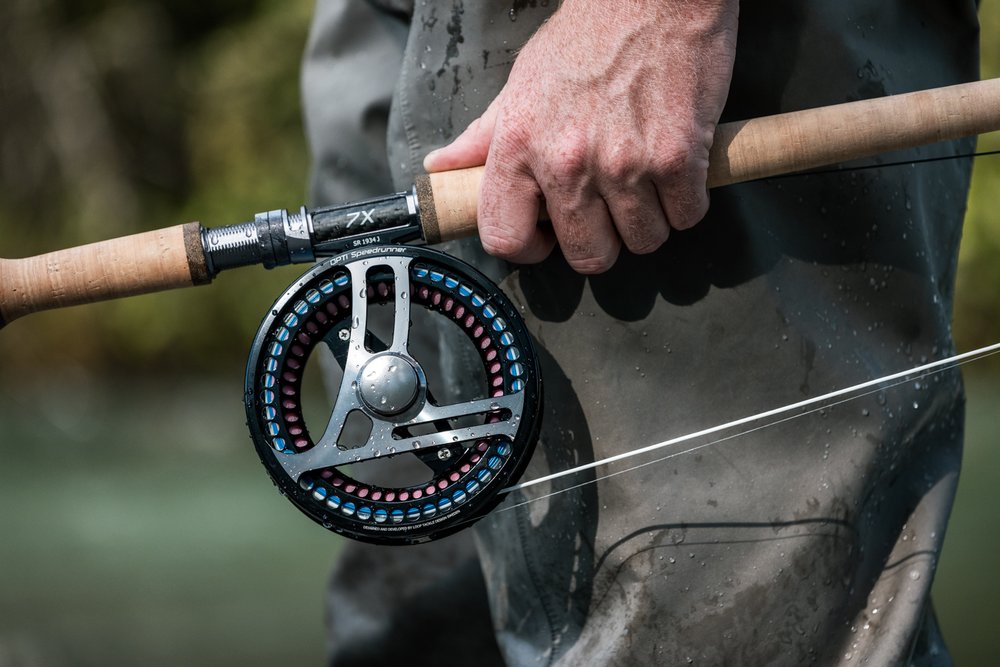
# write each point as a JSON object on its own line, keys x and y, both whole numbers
{"x": 609, "y": 114}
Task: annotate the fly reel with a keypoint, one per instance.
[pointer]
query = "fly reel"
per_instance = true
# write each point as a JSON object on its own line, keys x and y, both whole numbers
{"x": 406, "y": 454}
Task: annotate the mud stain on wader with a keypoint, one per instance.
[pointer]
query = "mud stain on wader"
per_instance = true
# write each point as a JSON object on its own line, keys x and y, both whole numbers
{"x": 455, "y": 37}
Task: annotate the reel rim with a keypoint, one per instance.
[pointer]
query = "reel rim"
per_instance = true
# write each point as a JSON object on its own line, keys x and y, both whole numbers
{"x": 486, "y": 495}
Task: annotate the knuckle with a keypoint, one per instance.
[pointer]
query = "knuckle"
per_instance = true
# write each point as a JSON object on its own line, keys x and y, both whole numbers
{"x": 688, "y": 221}
{"x": 690, "y": 207}
{"x": 571, "y": 158}
{"x": 673, "y": 162}
{"x": 585, "y": 254}
{"x": 506, "y": 157}
{"x": 620, "y": 166}
{"x": 512, "y": 132}
{"x": 642, "y": 237}
{"x": 593, "y": 264}
{"x": 681, "y": 174}
{"x": 499, "y": 244}
{"x": 679, "y": 152}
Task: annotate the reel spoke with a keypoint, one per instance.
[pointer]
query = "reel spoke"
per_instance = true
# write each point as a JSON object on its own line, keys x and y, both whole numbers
{"x": 401, "y": 314}
{"x": 470, "y": 447}
{"x": 508, "y": 403}
{"x": 357, "y": 352}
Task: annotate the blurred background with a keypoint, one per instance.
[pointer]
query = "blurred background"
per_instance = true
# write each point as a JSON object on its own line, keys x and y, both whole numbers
{"x": 136, "y": 524}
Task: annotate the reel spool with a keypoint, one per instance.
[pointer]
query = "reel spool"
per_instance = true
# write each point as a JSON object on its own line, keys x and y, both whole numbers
{"x": 395, "y": 463}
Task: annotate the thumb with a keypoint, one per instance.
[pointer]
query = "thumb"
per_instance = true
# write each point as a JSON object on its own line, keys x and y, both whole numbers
{"x": 469, "y": 149}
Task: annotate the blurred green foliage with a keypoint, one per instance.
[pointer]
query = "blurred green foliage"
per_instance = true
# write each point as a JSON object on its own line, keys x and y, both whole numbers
{"x": 121, "y": 116}
{"x": 977, "y": 297}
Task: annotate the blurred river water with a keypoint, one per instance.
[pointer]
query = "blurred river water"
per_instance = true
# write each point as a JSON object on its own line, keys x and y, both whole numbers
{"x": 139, "y": 528}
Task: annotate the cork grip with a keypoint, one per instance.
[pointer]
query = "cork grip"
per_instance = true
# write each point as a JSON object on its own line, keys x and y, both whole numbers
{"x": 802, "y": 140}
{"x": 147, "y": 262}
{"x": 448, "y": 202}
{"x": 772, "y": 145}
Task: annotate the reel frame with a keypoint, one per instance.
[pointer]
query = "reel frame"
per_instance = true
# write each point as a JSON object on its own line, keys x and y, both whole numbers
{"x": 470, "y": 463}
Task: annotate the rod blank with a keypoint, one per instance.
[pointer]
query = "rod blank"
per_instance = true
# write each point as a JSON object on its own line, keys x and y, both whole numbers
{"x": 743, "y": 151}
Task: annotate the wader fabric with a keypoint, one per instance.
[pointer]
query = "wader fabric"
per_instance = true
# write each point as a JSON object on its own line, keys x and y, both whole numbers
{"x": 811, "y": 541}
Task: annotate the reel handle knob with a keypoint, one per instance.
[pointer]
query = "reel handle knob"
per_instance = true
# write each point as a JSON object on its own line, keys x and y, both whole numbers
{"x": 138, "y": 264}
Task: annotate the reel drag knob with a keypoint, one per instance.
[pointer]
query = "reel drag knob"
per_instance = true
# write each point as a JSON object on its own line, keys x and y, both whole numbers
{"x": 406, "y": 455}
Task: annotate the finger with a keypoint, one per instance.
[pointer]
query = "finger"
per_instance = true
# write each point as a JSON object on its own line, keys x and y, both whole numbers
{"x": 509, "y": 203}
{"x": 639, "y": 217}
{"x": 583, "y": 226}
{"x": 683, "y": 192}
{"x": 469, "y": 149}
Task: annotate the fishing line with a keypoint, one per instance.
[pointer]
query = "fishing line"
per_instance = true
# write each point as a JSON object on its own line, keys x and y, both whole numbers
{"x": 866, "y": 167}
{"x": 902, "y": 378}
{"x": 893, "y": 380}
